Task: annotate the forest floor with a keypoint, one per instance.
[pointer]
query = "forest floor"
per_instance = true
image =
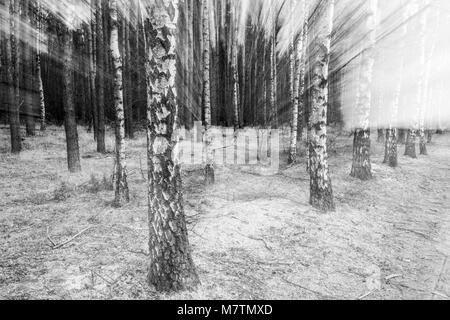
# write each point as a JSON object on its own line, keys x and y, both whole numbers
{"x": 252, "y": 236}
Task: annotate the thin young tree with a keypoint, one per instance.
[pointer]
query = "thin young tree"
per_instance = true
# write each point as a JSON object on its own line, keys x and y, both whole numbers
{"x": 92, "y": 40}
{"x": 298, "y": 80}
{"x": 209, "y": 168}
{"x": 362, "y": 167}
{"x": 321, "y": 191}
{"x": 171, "y": 265}
{"x": 122, "y": 194}
{"x": 40, "y": 84}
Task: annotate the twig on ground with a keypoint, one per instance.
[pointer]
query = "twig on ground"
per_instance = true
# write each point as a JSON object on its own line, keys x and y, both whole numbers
{"x": 50, "y": 239}
{"x": 423, "y": 235}
{"x": 365, "y": 295}
{"x": 393, "y": 276}
{"x": 437, "y": 293}
{"x": 304, "y": 288}
{"x": 256, "y": 239}
{"x": 58, "y": 246}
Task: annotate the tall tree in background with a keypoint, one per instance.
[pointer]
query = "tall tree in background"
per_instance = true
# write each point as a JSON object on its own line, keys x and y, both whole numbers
{"x": 101, "y": 71}
{"x": 209, "y": 168}
{"x": 298, "y": 83}
{"x": 392, "y": 133}
{"x": 92, "y": 40}
{"x": 321, "y": 192}
{"x": 234, "y": 64}
{"x": 362, "y": 167}
{"x": 28, "y": 72}
{"x": 171, "y": 265}
{"x": 70, "y": 121}
{"x": 40, "y": 84}
{"x": 13, "y": 78}
{"x": 122, "y": 194}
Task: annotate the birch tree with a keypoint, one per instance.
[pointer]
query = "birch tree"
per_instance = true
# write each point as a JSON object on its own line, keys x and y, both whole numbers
{"x": 40, "y": 84}
{"x": 122, "y": 194}
{"x": 362, "y": 167}
{"x": 321, "y": 192}
{"x": 209, "y": 168}
{"x": 171, "y": 265}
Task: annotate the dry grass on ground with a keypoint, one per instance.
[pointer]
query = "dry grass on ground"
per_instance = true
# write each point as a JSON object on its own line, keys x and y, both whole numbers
{"x": 252, "y": 236}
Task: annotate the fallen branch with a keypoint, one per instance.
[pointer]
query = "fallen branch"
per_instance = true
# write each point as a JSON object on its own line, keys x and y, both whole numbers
{"x": 58, "y": 246}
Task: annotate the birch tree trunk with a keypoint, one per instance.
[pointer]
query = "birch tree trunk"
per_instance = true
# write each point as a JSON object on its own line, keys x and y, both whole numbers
{"x": 234, "y": 65}
{"x": 122, "y": 194}
{"x": 70, "y": 122}
{"x": 391, "y": 144}
{"x": 321, "y": 193}
{"x": 13, "y": 79}
{"x": 298, "y": 82}
{"x": 362, "y": 167}
{"x": 171, "y": 265}
{"x": 297, "y": 52}
{"x": 40, "y": 84}
{"x": 209, "y": 168}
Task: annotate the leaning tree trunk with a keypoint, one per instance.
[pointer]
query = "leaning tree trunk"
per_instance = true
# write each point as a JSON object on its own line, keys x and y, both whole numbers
{"x": 101, "y": 71}
{"x": 13, "y": 79}
{"x": 70, "y": 121}
{"x": 122, "y": 194}
{"x": 321, "y": 196}
{"x": 171, "y": 265}
{"x": 362, "y": 168}
{"x": 209, "y": 168}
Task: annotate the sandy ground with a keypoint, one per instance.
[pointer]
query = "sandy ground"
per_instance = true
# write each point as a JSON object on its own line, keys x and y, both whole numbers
{"x": 253, "y": 236}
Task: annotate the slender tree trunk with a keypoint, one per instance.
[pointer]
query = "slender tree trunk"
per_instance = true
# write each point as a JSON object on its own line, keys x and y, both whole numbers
{"x": 70, "y": 121}
{"x": 101, "y": 71}
{"x": 209, "y": 168}
{"x": 128, "y": 86}
{"x": 171, "y": 265}
{"x": 362, "y": 167}
{"x": 321, "y": 196}
{"x": 273, "y": 80}
{"x": 295, "y": 78}
{"x": 92, "y": 36}
{"x": 234, "y": 65}
{"x": 122, "y": 194}
{"x": 13, "y": 79}
{"x": 39, "y": 72}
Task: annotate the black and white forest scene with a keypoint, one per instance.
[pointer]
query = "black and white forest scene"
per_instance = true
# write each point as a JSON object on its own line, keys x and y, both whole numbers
{"x": 184, "y": 150}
